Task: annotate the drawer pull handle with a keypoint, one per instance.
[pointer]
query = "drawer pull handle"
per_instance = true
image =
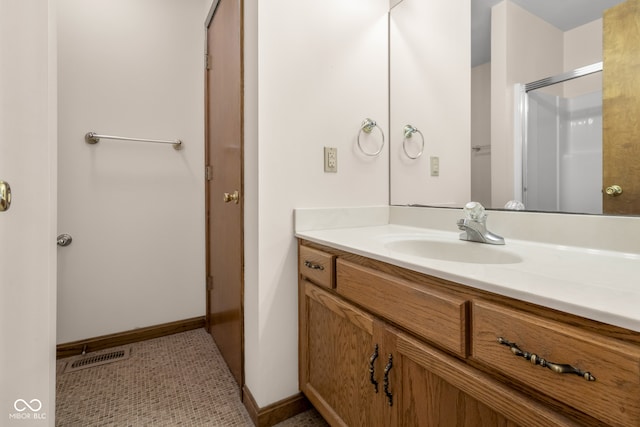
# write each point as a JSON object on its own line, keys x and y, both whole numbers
{"x": 313, "y": 266}
{"x": 372, "y": 369}
{"x": 558, "y": 368}
{"x": 386, "y": 380}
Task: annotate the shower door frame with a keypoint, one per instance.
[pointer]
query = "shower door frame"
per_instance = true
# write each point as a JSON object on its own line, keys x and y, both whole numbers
{"x": 521, "y": 122}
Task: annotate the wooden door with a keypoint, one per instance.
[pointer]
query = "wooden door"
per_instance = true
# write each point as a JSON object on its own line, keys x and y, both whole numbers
{"x": 224, "y": 189}
{"x": 435, "y": 389}
{"x": 427, "y": 398}
{"x": 620, "y": 108}
{"x": 336, "y": 350}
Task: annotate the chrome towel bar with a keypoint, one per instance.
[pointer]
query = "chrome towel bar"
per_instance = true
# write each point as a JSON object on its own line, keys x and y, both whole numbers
{"x": 93, "y": 138}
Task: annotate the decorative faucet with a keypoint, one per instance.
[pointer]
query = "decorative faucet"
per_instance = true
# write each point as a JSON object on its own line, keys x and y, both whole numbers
{"x": 474, "y": 226}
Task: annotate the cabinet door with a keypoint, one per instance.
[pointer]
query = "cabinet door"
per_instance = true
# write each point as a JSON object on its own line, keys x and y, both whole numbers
{"x": 438, "y": 390}
{"x": 336, "y": 345}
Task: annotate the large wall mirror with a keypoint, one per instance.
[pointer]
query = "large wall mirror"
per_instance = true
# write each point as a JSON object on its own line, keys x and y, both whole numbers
{"x": 520, "y": 110}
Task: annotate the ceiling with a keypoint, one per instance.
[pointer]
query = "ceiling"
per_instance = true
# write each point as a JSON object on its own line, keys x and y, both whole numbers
{"x": 563, "y": 14}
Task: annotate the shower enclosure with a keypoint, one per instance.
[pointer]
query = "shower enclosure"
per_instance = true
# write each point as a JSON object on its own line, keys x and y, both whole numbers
{"x": 559, "y": 130}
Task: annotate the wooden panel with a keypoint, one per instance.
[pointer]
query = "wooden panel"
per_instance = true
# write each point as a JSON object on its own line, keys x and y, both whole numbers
{"x": 438, "y": 316}
{"x": 620, "y": 107}
{"x": 614, "y": 397}
{"x": 121, "y": 338}
{"x": 448, "y": 392}
{"x": 224, "y": 153}
{"x": 276, "y": 412}
{"x": 431, "y": 401}
{"x": 317, "y": 266}
{"x": 339, "y": 342}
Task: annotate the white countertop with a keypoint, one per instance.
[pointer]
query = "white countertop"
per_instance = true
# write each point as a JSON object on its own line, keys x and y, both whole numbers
{"x": 596, "y": 284}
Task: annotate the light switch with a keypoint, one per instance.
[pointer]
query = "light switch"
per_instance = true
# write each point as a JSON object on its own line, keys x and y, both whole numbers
{"x": 435, "y": 166}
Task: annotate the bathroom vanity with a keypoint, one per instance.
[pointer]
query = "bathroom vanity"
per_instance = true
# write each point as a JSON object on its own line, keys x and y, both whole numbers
{"x": 391, "y": 335}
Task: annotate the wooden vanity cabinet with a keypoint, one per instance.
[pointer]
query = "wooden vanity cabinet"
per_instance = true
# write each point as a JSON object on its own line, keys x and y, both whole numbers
{"x": 383, "y": 349}
{"x": 360, "y": 371}
{"x": 336, "y": 341}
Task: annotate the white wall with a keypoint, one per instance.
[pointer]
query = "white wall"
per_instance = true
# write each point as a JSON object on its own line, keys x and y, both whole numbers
{"x": 430, "y": 89}
{"x": 524, "y": 48}
{"x": 481, "y": 134}
{"x": 135, "y": 210}
{"x": 313, "y": 72}
{"x": 583, "y": 46}
{"x": 27, "y": 229}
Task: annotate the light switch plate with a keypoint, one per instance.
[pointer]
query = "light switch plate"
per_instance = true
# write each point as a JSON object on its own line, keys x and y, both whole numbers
{"x": 435, "y": 166}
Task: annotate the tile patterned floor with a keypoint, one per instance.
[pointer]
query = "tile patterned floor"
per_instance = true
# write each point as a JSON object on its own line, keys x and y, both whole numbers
{"x": 167, "y": 381}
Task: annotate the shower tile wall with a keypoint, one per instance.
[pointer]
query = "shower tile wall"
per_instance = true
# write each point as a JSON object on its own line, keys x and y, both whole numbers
{"x": 581, "y": 156}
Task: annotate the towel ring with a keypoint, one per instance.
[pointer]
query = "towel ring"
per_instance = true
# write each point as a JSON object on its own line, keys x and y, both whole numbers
{"x": 367, "y": 127}
{"x": 408, "y": 133}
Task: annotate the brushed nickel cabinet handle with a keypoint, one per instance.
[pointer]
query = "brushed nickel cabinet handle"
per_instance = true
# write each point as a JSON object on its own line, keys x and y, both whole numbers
{"x": 313, "y": 266}
{"x": 386, "y": 380}
{"x": 559, "y": 368}
{"x": 372, "y": 369}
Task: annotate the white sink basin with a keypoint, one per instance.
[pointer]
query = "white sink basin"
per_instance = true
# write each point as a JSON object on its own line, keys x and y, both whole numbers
{"x": 456, "y": 251}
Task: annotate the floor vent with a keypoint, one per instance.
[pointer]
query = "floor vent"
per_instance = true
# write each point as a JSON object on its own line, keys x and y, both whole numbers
{"x": 89, "y": 361}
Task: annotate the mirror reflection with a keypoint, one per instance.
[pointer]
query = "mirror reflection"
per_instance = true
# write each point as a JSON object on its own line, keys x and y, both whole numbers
{"x": 561, "y": 142}
{"x": 542, "y": 147}
{"x": 430, "y": 83}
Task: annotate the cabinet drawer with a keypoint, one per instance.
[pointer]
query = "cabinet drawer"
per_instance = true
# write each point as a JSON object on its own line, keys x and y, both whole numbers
{"x": 614, "y": 395}
{"x": 437, "y": 316}
{"x": 317, "y": 266}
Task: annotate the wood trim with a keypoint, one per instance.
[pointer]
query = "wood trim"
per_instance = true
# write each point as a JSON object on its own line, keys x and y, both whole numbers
{"x": 121, "y": 338}
{"x": 276, "y": 412}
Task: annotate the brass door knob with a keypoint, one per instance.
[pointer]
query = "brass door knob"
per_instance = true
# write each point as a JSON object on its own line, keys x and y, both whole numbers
{"x": 235, "y": 197}
{"x": 5, "y": 196}
{"x": 614, "y": 190}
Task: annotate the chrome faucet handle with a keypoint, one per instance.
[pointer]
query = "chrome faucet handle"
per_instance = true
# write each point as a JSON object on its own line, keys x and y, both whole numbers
{"x": 475, "y": 211}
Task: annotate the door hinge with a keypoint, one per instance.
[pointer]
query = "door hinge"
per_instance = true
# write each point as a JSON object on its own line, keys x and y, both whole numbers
{"x": 209, "y": 283}
{"x": 207, "y": 61}
{"x": 208, "y": 173}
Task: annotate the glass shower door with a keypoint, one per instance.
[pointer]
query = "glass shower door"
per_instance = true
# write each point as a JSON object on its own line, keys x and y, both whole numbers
{"x": 562, "y": 147}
